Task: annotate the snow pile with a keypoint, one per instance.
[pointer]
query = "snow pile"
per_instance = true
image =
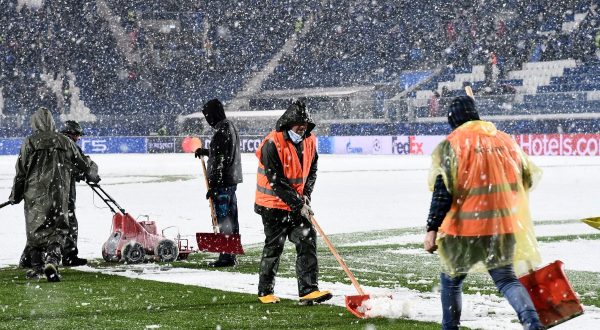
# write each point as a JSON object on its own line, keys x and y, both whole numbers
{"x": 385, "y": 307}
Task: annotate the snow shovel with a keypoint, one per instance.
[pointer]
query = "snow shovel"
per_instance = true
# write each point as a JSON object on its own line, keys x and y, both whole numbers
{"x": 552, "y": 295}
{"x": 353, "y": 303}
{"x": 217, "y": 242}
{"x": 594, "y": 222}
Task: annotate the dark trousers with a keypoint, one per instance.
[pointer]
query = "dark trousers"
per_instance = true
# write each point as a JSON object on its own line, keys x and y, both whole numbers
{"x": 69, "y": 249}
{"x": 506, "y": 282}
{"x": 280, "y": 225}
{"x": 225, "y": 204}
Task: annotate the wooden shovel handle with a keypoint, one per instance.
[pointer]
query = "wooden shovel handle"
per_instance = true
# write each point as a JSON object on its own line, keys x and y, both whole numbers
{"x": 213, "y": 213}
{"x": 337, "y": 256}
{"x": 469, "y": 91}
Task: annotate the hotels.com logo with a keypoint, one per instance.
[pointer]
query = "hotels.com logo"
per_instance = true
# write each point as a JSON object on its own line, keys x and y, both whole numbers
{"x": 560, "y": 144}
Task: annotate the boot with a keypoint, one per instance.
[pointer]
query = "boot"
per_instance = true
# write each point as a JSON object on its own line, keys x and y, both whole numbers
{"x": 315, "y": 297}
{"x": 34, "y": 256}
{"x": 25, "y": 260}
{"x": 73, "y": 261}
{"x": 51, "y": 271}
{"x": 34, "y": 274}
{"x": 269, "y": 299}
{"x": 225, "y": 260}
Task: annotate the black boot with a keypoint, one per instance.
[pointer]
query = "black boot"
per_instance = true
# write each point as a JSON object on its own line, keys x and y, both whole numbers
{"x": 69, "y": 261}
{"x": 35, "y": 262}
{"x": 225, "y": 260}
{"x": 25, "y": 260}
{"x": 51, "y": 271}
{"x": 34, "y": 274}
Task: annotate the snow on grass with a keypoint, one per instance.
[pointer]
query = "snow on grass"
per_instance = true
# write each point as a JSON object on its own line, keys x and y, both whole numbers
{"x": 353, "y": 194}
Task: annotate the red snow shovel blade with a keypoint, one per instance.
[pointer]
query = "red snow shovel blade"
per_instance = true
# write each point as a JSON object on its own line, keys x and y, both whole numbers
{"x": 354, "y": 305}
{"x": 552, "y": 294}
{"x": 222, "y": 243}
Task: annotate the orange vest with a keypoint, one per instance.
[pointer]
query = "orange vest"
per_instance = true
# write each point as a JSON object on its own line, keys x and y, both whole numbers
{"x": 295, "y": 173}
{"x": 486, "y": 190}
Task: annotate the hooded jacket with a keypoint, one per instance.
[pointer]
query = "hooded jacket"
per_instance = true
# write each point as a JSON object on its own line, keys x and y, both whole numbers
{"x": 44, "y": 171}
{"x": 224, "y": 164}
{"x": 273, "y": 167}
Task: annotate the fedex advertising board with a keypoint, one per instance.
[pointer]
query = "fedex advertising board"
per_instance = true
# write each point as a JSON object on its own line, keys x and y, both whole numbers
{"x": 415, "y": 145}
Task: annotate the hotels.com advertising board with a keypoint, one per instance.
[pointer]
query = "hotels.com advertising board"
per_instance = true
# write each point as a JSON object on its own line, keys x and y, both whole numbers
{"x": 560, "y": 144}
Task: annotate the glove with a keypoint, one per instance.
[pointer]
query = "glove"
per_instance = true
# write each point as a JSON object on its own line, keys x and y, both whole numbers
{"x": 201, "y": 152}
{"x": 210, "y": 193}
{"x": 306, "y": 200}
{"x": 306, "y": 212}
{"x": 93, "y": 178}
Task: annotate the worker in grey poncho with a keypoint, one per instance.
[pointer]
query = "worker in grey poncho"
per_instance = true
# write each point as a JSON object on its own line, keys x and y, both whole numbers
{"x": 43, "y": 179}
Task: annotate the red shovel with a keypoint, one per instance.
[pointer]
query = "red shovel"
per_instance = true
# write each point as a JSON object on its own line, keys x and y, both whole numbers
{"x": 353, "y": 303}
{"x": 552, "y": 294}
{"x": 217, "y": 242}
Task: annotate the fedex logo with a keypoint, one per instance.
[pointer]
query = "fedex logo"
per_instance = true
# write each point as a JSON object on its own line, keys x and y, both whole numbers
{"x": 406, "y": 145}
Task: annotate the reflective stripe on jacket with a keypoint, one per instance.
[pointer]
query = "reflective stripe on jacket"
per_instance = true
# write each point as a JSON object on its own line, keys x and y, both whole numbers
{"x": 488, "y": 179}
{"x": 295, "y": 173}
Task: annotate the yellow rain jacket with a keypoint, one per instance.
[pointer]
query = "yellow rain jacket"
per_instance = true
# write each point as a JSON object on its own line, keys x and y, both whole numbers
{"x": 488, "y": 225}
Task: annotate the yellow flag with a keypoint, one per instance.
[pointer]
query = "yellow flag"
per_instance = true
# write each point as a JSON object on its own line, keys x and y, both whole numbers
{"x": 594, "y": 222}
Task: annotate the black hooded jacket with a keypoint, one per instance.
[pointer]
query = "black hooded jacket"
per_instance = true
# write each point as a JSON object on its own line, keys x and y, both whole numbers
{"x": 224, "y": 161}
{"x": 295, "y": 114}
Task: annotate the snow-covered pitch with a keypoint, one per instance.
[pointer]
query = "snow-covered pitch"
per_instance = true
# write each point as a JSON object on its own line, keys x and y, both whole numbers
{"x": 353, "y": 193}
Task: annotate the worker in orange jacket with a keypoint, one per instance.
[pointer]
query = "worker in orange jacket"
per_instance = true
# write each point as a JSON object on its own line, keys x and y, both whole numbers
{"x": 479, "y": 215}
{"x": 287, "y": 171}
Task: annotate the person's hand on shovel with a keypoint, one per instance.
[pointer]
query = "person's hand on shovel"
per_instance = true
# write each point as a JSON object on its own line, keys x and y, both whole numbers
{"x": 306, "y": 211}
{"x": 429, "y": 243}
{"x": 201, "y": 152}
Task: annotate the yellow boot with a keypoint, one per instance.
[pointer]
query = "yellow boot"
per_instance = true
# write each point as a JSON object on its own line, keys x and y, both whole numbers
{"x": 269, "y": 299}
{"x": 315, "y": 297}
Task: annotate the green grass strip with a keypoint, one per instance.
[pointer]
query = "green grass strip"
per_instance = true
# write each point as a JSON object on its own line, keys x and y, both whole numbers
{"x": 97, "y": 301}
{"x": 392, "y": 265}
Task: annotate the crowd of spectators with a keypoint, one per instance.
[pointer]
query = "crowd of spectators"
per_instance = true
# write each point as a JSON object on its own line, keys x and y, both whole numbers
{"x": 189, "y": 51}
{"x": 51, "y": 38}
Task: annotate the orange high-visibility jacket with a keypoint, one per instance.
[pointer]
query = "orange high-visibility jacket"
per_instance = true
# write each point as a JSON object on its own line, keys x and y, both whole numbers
{"x": 488, "y": 177}
{"x": 295, "y": 173}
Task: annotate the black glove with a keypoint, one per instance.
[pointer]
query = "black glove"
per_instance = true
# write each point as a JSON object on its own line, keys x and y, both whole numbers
{"x": 201, "y": 152}
{"x": 306, "y": 200}
{"x": 93, "y": 178}
{"x": 306, "y": 212}
{"x": 211, "y": 193}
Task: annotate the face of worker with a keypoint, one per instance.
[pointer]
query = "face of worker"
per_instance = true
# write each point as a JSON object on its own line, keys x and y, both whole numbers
{"x": 299, "y": 129}
{"x": 74, "y": 137}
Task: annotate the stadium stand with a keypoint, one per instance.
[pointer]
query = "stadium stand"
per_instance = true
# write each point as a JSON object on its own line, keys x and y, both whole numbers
{"x": 363, "y": 67}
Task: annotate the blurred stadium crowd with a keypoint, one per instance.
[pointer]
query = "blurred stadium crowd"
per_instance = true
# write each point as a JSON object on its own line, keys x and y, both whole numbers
{"x": 131, "y": 67}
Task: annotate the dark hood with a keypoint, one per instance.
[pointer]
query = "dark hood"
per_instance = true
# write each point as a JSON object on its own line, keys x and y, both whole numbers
{"x": 296, "y": 113}
{"x": 42, "y": 121}
{"x": 461, "y": 110}
{"x": 213, "y": 112}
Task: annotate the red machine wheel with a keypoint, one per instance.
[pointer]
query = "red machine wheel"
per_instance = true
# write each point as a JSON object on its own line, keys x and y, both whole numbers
{"x": 166, "y": 250}
{"x": 133, "y": 253}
